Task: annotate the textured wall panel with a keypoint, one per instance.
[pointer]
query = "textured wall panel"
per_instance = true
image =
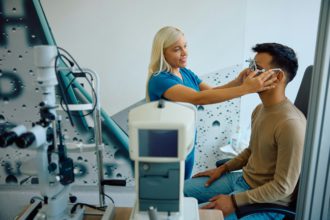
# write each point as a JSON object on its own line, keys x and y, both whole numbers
{"x": 20, "y": 97}
{"x": 216, "y": 123}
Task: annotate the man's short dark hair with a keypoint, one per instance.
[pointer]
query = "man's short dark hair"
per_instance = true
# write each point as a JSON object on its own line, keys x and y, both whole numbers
{"x": 283, "y": 57}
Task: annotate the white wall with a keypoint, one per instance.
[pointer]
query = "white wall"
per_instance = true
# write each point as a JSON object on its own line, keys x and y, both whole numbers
{"x": 114, "y": 38}
{"x": 293, "y": 23}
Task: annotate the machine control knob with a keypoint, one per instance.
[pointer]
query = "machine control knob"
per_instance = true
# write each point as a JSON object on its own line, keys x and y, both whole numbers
{"x": 145, "y": 166}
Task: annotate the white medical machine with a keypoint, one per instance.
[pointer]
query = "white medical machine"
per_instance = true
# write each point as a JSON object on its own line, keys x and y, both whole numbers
{"x": 161, "y": 135}
{"x": 55, "y": 176}
{"x": 54, "y": 167}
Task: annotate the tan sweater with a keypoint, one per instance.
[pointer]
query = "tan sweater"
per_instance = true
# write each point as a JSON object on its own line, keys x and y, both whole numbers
{"x": 272, "y": 162}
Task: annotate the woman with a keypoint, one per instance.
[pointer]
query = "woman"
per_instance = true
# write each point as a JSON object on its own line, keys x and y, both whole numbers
{"x": 168, "y": 78}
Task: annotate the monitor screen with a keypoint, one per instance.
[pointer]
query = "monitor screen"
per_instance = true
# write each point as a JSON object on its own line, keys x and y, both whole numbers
{"x": 158, "y": 143}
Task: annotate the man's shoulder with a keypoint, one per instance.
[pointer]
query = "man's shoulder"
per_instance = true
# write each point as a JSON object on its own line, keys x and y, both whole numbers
{"x": 292, "y": 112}
{"x": 292, "y": 119}
{"x": 285, "y": 112}
{"x": 256, "y": 110}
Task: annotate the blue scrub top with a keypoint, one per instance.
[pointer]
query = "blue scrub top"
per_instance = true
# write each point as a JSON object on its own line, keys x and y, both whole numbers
{"x": 159, "y": 83}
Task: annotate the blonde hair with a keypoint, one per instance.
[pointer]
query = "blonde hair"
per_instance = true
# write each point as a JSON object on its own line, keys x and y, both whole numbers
{"x": 163, "y": 39}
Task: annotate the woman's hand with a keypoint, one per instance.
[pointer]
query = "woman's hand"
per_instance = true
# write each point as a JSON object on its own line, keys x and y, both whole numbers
{"x": 262, "y": 82}
{"x": 212, "y": 173}
{"x": 271, "y": 82}
{"x": 241, "y": 77}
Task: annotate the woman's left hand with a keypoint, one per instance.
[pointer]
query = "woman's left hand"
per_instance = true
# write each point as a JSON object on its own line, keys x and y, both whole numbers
{"x": 241, "y": 76}
{"x": 270, "y": 82}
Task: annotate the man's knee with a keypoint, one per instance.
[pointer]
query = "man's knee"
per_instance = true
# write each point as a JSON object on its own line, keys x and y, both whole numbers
{"x": 195, "y": 188}
{"x": 189, "y": 188}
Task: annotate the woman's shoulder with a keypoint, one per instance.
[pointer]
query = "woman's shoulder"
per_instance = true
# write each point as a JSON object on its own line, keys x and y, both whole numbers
{"x": 190, "y": 74}
{"x": 161, "y": 74}
{"x": 186, "y": 70}
{"x": 162, "y": 77}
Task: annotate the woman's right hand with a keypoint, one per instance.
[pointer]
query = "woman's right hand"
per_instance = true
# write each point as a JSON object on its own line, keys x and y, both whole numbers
{"x": 258, "y": 83}
{"x": 214, "y": 174}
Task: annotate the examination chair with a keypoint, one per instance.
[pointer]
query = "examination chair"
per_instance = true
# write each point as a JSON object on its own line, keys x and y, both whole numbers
{"x": 301, "y": 103}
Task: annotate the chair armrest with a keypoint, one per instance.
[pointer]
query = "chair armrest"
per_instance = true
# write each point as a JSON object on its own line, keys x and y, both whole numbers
{"x": 261, "y": 207}
{"x": 220, "y": 162}
{"x": 265, "y": 207}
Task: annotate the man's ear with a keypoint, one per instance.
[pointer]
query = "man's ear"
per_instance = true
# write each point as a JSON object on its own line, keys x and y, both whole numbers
{"x": 281, "y": 76}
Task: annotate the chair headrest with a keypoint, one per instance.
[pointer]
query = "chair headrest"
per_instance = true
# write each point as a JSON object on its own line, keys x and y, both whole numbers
{"x": 302, "y": 98}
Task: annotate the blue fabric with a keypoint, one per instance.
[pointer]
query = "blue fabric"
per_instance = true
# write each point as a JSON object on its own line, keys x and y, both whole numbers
{"x": 189, "y": 164}
{"x": 229, "y": 183}
{"x": 159, "y": 83}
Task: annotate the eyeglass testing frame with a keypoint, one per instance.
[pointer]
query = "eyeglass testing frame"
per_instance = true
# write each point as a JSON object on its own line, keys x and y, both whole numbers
{"x": 253, "y": 66}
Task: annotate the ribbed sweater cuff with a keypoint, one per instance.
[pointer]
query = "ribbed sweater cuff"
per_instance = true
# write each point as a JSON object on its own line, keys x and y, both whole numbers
{"x": 241, "y": 199}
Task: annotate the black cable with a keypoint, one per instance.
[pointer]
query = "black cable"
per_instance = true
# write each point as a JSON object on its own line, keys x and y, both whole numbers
{"x": 24, "y": 180}
{"x": 93, "y": 91}
{"x": 74, "y": 207}
{"x": 65, "y": 51}
{"x": 67, "y": 59}
{"x": 72, "y": 81}
{"x": 63, "y": 96}
{"x": 103, "y": 208}
{"x": 109, "y": 197}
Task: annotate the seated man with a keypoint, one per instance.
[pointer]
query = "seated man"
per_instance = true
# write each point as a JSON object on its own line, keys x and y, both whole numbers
{"x": 271, "y": 164}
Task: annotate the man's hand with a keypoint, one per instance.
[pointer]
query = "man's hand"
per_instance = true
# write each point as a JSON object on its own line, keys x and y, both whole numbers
{"x": 212, "y": 173}
{"x": 221, "y": 202}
